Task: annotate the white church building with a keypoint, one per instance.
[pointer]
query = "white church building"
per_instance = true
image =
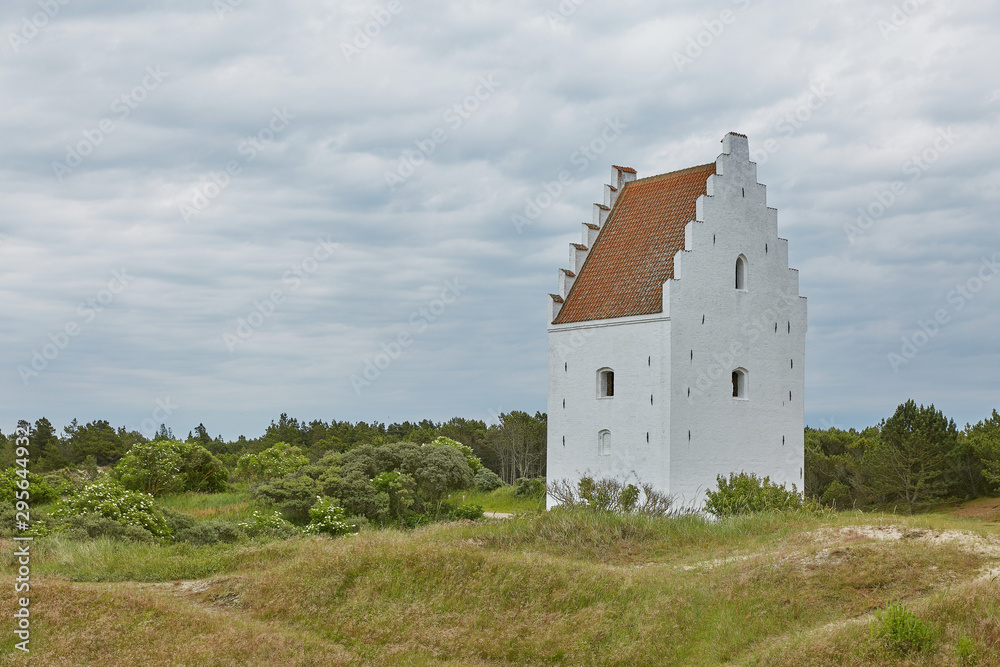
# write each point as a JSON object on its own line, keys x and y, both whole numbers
{"x": 677, "y": 338}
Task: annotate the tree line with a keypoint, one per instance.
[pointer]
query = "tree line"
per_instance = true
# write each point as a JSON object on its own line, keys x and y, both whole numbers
{"x": 512, "y": 448}
{"x": 915, "y": 457}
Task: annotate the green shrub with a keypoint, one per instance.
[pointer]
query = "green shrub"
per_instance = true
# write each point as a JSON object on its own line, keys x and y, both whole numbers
{"x": 966, "y": 651}
{"x": 208, "y": 532}
{"x": 39, "y": 522}
{"x": 745, "y": 493}
{"x": 170, "y": 466}
{"x": 12, "y": 482}
{"x": 529, "y": 486}
{"x": 110, "y": 499}
{"x": 293, "y": 495}
{"x": 272, "y": 463}
{"x": 611, "y": 495}
{"x": 267, "y": 524}
{"x": 327, "y": 518}
{"x": 898, "y": 630}
{"x": 837, "y": 495}
{"x": 487, "y": 480}
{"x": 93, "y": 526}
{"x": 474, "y": 463}
{"x": 469, "y": 511}
{"x": 177, "y": 521}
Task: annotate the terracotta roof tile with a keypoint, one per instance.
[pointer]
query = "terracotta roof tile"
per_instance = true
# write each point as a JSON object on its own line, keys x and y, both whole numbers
{"x": 628, "y": 169}
{"x": 634, "y": 252}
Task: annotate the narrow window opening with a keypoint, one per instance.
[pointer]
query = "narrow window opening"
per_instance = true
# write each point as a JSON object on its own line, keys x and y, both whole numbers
{"x": 765, "y": 248}
{"x": 650, "y": 399}
{"x": 606, "y": 383}
{"x": 775, "y": 327}
{"x": 564, "y": 403}
{"x": 789, "y": 326}
{"x": 782, "y": 441}
{"x": 744, "y": 190}
{"x": 566, "y": 366}
{"x": 739, "y": 383}
{"x": 564, "y": 441}
{"x": 604, "y": 443}
{"x": 791, "y": 363}
{"x": 741, "y": 273}
{"x": 647, "y": 436}
{"x": 649, "y": 361}
{"x": 689, "y": 392}
{"x": 689, "y": 436}
{"x": 692, "y": 355}
{"x": 702, "y": 319}
{"x": 789, "y": 396}
{"x": 713, "y": 239}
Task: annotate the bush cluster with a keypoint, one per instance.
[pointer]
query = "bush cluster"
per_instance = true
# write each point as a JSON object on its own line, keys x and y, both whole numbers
{"x": 108, "y": 498}
{"x": 487, "y": 480}
{"x": 529, "y": 486}
{"x": 745, "y": 493}
{"x": 611, "y": 495}
{"x": 898, "y": 630}
{"x": 326, "y": 517}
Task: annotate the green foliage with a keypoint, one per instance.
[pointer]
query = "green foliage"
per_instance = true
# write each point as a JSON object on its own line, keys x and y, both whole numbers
{"x": 745, "y": 493}
{"x": 177, "y": 521}
{"x": 208, "y": 532}
{"x": 469, "y": 511}
{"x": 474, "y": 463}
{"x": 13, "y": 482}
{"x": 110, "y": 499}
{"x": 97, "y": 439}
{"x": 908, "y": 460}
{"x": 170, "y": 466}
{"x": 965, "y": 649}
{"x": 487, "y": 480}
{"x": 837, "y": 495}
{"x": 267, "y": 524}
{"x": 91, "y": 526}
{"x": 326, "y": 517}
{"x": 529, "y": 486}
{"x": 272, "y": 463}
{"x": 293, "y": 495}
{"x": 898, "y": 630}
{"x": 984, "y": 440}
{"x": 610, "y": 495}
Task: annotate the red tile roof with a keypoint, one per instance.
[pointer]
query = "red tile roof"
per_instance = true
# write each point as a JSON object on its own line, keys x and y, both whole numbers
{"x": 634, "y": 252}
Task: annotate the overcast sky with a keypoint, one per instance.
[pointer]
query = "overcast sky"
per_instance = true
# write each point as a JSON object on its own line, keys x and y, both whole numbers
{"x": 220, "y": 210}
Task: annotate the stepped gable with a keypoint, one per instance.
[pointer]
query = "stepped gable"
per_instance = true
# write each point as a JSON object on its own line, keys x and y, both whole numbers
{"x": 633, "y": 254}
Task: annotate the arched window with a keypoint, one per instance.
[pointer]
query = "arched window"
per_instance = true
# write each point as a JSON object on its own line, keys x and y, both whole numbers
{"x": 604, "y": 443}
{"x": 740, "y": 383}
{"x": 605, "y": 383}
{"x": 741, "y": 273}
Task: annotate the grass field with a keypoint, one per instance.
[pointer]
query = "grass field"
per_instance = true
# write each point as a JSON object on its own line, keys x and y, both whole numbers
{"x": 500, "y": 500}
{"x": 572, "y": 588}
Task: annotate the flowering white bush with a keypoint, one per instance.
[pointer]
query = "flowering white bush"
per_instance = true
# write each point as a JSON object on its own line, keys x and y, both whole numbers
{"x": 261, "y": 522}
{"x": 327, "y": 517}
{"x": 109, "y": 498}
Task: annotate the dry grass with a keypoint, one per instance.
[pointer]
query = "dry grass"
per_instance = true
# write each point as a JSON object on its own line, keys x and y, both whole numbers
{"x": 557, "y": 588}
